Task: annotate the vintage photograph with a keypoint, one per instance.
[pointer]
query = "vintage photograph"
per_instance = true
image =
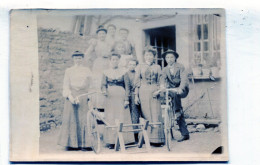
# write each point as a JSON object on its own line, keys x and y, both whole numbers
{"x": 132, "y": 82}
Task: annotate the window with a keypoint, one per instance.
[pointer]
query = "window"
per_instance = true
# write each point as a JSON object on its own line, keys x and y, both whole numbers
{"x": 205, "y": 38}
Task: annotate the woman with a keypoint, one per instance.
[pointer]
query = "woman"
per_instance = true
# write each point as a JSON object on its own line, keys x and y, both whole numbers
{"x": 147, "y": 80}
{"x": 74, "y": 134}
{"x": 117, "y": 101}
{"x": 102, "y": 51}
{"x": 111, "y": 34}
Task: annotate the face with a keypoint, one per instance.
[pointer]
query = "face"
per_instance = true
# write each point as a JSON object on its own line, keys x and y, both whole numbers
{"x": 132, "y": 65}
{"x": 120, "y": 48}
{"x": 77, "y": 60}
{"x": 123, "y": 34}
{"x": 114, "y": 61}
{"x": 102, "y": 35}
{"x": 148, "y": 57}
{"x": 170, "y": 59}
{"x": 111, "y": 30}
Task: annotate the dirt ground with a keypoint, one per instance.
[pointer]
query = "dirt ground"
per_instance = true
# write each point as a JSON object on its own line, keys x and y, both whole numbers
{"x": 200, "y": 142}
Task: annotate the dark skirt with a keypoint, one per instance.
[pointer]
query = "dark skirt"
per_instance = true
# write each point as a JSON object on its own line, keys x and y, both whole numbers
{"x": 74, "y": 130}
{"x": 134, "y": 109}
{"x": 151, "y": 110}
{"x": 114, "y": 110}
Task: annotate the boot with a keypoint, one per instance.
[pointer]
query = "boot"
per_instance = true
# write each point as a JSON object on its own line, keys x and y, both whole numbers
{"x": 185, "y": 137}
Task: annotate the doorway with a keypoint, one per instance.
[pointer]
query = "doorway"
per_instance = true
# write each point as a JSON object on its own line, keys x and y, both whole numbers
{"x": 162, "y": 38}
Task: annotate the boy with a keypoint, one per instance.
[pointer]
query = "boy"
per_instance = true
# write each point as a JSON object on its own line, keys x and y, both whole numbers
{"x": 134, "y": 109}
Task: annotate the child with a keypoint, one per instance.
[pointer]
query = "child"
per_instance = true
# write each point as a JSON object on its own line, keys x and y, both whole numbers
{"x": 134, "y": 109}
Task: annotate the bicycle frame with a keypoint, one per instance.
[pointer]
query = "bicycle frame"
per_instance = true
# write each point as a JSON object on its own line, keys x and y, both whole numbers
{"x": 168, "y": 120}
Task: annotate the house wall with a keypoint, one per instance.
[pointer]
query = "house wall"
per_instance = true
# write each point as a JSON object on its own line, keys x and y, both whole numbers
{"x": 136, "y": 35}
{"x": 182, "y": 34}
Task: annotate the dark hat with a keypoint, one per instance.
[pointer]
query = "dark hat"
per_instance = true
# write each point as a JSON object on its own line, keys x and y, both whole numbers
{"x": 169, "y": 51}
{"x": 111, "y": 25}
{"x": 150, "y": 49}
{"x": 78, "y": 53}
{"x": 124, "y": 29}
{"x": 115, "y": 54}
{"x": 101, "y": 28}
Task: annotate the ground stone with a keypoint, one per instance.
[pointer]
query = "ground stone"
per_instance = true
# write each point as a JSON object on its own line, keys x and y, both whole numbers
{"x": 200, "y": 127}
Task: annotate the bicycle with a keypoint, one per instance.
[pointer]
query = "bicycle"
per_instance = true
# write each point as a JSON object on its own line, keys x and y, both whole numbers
{"x": 169, "y": 118}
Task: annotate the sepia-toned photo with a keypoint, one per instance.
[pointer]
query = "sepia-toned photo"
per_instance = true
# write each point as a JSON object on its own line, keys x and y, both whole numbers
{"x": 122, "y": 85}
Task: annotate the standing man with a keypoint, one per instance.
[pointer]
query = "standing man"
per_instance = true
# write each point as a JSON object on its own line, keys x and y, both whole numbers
{"x": 130, "y": 49}
{"x": 174, "y": 76}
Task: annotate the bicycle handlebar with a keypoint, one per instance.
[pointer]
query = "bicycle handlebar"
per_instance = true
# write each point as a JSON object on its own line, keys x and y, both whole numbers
{"x": 167, "y": 90}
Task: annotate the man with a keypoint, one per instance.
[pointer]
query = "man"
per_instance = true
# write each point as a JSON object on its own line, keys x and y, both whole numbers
{"x": 130, "y": 49}
{"x": 175, "y": 77}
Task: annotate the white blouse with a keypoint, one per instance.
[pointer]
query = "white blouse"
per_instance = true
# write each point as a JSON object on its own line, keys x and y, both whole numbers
{"x": 76, "y": 78}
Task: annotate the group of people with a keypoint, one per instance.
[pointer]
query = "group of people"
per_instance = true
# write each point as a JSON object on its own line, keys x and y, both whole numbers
{"x": 126, "y": 90}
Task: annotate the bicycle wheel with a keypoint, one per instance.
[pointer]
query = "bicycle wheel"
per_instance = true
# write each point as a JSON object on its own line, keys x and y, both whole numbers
{"x": 94, "y": 133}
{"x": 168, "y": 129}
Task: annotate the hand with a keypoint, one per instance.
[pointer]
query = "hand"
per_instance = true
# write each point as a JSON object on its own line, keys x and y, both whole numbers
{"x": 163, "y": 89}
{"x": 105, "y": 93}
{"x": 137, "y": 100}
{"x": 76, "y": 100}
{"x": 156, "y": 93}
{"x": 175, "y": 90}
{"x": 71, "y": 99}
{"x": 126, "y": 104}
{"x": 179, "y": 91}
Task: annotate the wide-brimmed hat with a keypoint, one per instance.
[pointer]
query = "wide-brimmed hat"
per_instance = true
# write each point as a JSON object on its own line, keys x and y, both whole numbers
{"x": 169, "y": 51}
{"x": 77, "y": 53}
{"x": 101, "y": 28}
{"x": 115, "y": 54}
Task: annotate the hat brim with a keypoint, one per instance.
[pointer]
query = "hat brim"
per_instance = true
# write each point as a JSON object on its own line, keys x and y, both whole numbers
{"x": 170, "y": 52}
{"x": 105, "y": 30}
{"x": 80, "y": 54}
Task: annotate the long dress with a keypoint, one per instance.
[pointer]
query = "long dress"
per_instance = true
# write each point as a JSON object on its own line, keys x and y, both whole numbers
{"x": 74, "y": 130}
{"x": 147, "y": 82}
{"x": 103, "y": 51}
{"x": 114, "y": 82}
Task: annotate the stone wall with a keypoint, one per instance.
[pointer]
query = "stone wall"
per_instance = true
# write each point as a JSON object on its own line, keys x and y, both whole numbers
{"x": 55, "y": 49}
